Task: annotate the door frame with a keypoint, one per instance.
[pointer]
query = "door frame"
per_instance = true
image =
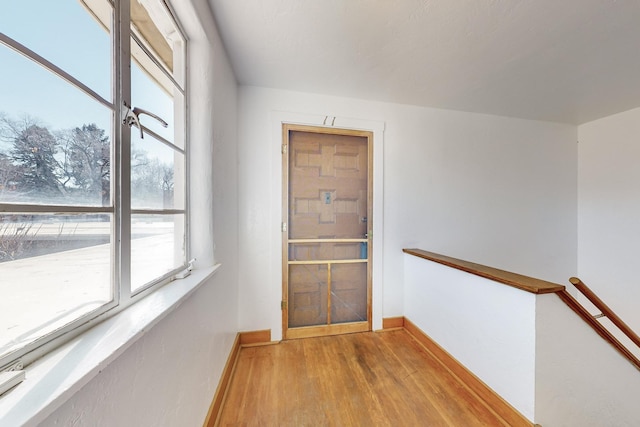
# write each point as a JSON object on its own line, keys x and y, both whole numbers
{"x": 323, "y": 330}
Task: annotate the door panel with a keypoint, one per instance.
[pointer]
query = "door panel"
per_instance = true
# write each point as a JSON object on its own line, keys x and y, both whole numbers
{"x": 348, "y": 297}
{"x": 325, "y": 251}
{"x": 328, "y": 198}
{"x": 327, "y": 186}
{"x": 308, "y": 295}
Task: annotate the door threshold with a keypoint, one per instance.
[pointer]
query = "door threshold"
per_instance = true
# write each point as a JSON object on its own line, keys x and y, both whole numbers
{"x": 325, "y": 330}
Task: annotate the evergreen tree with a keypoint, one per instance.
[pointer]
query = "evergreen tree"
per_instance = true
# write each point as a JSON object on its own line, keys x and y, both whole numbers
{"x": 34, "y": 149}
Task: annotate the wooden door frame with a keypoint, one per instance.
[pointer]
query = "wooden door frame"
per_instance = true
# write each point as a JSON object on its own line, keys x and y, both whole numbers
{"x": 306, "y": 331}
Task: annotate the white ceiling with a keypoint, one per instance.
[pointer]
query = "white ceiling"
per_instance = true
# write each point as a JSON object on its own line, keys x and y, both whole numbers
{"x": 569, "y": 61}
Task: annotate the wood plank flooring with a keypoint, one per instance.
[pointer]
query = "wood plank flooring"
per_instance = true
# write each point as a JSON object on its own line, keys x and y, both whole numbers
{"x": 364, "y": 379}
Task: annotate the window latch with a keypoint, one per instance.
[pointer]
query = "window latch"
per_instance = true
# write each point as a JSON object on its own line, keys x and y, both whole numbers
{"x": 132, "y": 118}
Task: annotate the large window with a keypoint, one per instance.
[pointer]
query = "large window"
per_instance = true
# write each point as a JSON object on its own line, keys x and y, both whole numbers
{"x": 93, "y": 188}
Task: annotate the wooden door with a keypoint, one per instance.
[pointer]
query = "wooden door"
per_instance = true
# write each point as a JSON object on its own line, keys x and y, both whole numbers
{"x": 326, "y": 239}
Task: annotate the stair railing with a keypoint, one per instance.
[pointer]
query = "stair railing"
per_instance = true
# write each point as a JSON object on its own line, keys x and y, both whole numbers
{"x": 605, "y": 311}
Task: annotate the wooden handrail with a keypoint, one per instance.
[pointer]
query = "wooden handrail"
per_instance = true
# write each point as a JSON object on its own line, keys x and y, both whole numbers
{"x": 525, "y": 283}
{"x": 598, "y": 327}
{"x": 605, "y": 310}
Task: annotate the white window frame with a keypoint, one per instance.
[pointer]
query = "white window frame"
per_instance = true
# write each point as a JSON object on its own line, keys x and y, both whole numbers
{"x": 120, "y": 208}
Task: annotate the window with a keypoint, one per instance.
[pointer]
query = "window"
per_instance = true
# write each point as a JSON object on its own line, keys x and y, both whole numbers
{"x": 93, "y": 182}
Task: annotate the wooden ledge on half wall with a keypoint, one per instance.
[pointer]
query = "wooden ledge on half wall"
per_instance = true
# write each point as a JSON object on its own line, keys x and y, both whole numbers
{"x": 525, "y": 283}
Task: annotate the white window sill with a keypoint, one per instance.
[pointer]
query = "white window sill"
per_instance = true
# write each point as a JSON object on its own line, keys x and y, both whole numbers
{"x": 53, "y": 379}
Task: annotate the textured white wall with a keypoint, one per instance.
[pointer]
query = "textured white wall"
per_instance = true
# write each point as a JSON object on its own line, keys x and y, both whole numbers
{"x": 609, "y": 211}
{"x": 488, "y": 327}
{"x": 169, "y": 376}
{"x": 581, "y": 381}
{"x": 494, "y": 190}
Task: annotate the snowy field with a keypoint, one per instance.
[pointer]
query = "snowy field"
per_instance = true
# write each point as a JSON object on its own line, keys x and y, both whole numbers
{"x": 43, "y": 293}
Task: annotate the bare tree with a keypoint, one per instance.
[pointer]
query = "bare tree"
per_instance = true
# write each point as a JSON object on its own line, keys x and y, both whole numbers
{"x": 9, "y": 174}
{"x": 87, "y": 160}
{"x": 152, "y": 182}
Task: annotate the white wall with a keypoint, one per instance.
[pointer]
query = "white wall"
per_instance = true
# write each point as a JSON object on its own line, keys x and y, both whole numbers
{"x": 169, "y": 376}
{"x": 488, "y": 327}
{"x": 581, "y": 380}
{"x": 494, "y": 190}
{"x": 609, "y": 211}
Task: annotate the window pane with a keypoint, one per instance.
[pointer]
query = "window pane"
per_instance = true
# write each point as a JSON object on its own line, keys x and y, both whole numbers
{"x": 67, "y": 34}
{"x": 157, "y": 69}
{"x": 156, "y": 30}
{"x": 149, "y": 95}
{"x": 54, "y": 268}
{"x": 157, "y": 247}
{"x": 54, "y": 140}
{"x": 157, "y": 174}
{"x": 158, "y": 179}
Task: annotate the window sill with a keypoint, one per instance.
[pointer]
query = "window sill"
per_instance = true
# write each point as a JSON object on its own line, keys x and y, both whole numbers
{"x": 53, "y": 379}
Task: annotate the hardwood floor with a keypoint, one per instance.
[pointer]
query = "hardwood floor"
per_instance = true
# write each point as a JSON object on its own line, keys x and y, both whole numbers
{"x": 364, "y": 379}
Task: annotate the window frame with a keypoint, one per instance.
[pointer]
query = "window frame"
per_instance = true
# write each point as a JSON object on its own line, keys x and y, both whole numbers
{"x": 120, "y": 207}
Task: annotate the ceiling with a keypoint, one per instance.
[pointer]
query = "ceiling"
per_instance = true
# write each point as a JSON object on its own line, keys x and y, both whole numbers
{"x": 568, "y": 61}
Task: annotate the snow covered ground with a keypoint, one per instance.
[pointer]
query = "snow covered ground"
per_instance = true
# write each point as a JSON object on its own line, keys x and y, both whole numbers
{"x": 43, "y": 293}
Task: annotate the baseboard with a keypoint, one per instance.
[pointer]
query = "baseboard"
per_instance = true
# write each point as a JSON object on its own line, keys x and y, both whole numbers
{"x": 502, "y": 408}
{"x": 243, "y": 339}
{"x": 393, "y": 322}
{"x": 255, "y": 337}
{"x": 223, "y": 384}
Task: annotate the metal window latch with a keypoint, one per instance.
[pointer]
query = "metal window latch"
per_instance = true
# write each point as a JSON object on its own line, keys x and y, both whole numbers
{"x": 132, "y": 118}
{"x": 187, "y": 271}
